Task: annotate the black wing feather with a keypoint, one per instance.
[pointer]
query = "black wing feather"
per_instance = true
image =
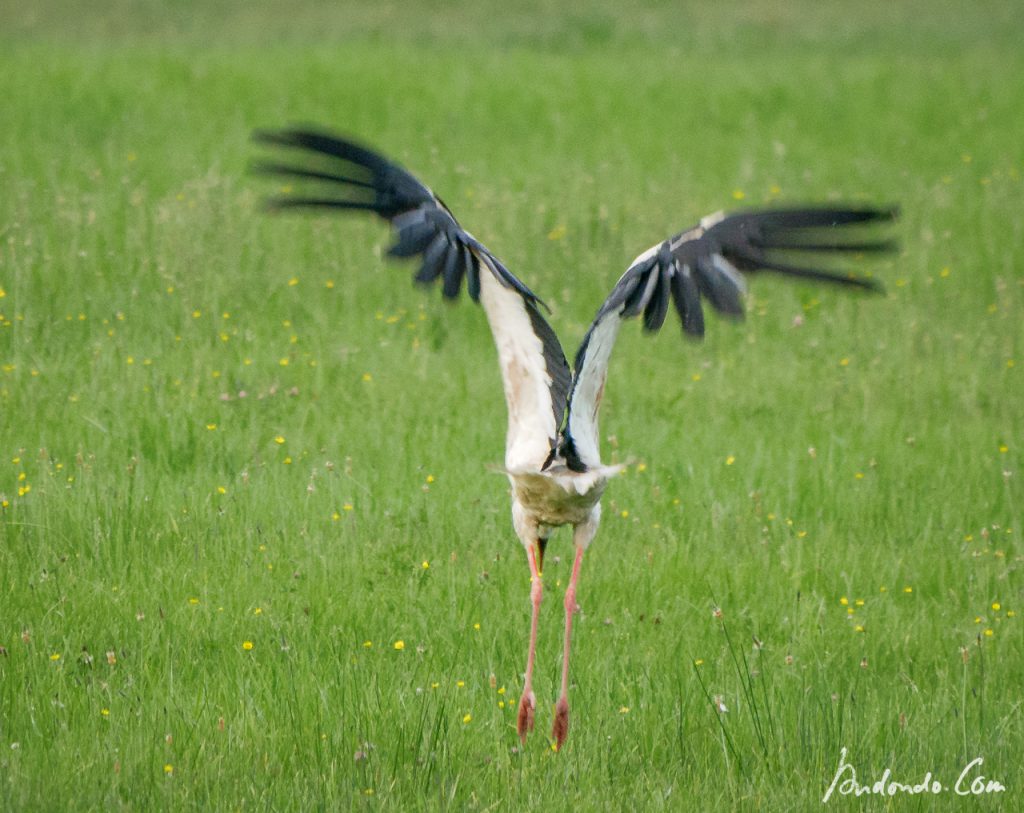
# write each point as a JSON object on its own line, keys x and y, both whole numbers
{"x": 472, "y": 266}
{"x": 453, "y": 271}
{"x": 706, "y": 262}
{"x": 774, "y": 240}
{"x": 414, "y": 239}
{"x": 336, "y": 173}
{"x": 273, "y": 168}
{"x": 432, "y": 259}
{"x": 657, "y": 307}
{"x": 721, "y": 290}
{"x": 395, "y": 189}
{"x": 639, "y": 290}
{"x": 358, "y": 178}
{"x": 686, "y": 296}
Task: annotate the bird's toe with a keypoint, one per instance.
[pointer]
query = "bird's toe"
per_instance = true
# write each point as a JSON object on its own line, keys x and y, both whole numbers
{"x": 527, "y": 704}
{"x": 560, "y": 728}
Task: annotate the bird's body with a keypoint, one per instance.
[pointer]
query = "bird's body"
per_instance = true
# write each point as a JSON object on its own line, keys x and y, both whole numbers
{"x": 552, "y": 449}
{"x": 560, "y": 496}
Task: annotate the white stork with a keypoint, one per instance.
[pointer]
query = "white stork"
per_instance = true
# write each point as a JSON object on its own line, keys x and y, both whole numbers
{"x": 552, "y": 450}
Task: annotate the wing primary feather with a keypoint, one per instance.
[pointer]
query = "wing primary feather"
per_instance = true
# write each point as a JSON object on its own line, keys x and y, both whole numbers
{"x": 469, "y": 262}
{"x": 706, "y": 262}
{"x": 271, "y": 168}
{"x": 657, "y": 306}
{"x": 757, "y": 261}
{"x": 802, "y": 218}
{"x": 646, "y": 278}
{"x": 432, "y": 260}
{"x": 414, "y": 211}
{"x": 395, "y": 189}
{"x": 413, "y": 239}
{"x": 320, "y": 203}
{"x": 686, "y": 296}
{"x": 720, "y": 290}
{"x": 324, "y": 144}
{"x": 452, "y": 273}
{"x": 779, "y": 243}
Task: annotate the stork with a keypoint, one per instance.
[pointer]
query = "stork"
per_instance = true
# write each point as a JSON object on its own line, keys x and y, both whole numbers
{"x": 552, "y": 454}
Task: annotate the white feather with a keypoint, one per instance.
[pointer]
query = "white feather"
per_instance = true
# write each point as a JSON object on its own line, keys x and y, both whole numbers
{"x": 728, "y": 270}
{"x": 531, "y": 420}
{"x": 589, "y": 389}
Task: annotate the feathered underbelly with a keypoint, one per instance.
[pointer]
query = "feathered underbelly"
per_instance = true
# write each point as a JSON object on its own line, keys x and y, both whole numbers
{"x": 561, "y": 498}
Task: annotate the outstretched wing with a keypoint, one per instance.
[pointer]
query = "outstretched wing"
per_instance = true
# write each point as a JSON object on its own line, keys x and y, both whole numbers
{"x": 706, "y": 262}
{"x": 340, "y": 174}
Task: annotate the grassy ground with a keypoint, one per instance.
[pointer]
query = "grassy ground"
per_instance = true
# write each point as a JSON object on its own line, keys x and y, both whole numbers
{"x": 250, "y": 554}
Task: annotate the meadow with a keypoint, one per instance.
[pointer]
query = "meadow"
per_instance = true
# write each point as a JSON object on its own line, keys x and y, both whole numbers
{"x": 251, "y": 554}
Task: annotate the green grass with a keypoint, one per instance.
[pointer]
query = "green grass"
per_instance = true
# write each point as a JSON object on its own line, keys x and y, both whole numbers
{"x": 143, "y": 292}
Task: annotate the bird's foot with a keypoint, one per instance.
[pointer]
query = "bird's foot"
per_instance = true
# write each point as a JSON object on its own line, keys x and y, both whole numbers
{"x": 527, "y": 704}
{"x": 560, "y": 728}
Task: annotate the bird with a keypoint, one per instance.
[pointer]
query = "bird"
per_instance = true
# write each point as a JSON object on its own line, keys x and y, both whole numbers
{"x": 552, "y": 455}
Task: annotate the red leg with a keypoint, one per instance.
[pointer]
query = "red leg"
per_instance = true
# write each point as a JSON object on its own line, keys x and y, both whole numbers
{"x": 560, "y": 729}
{"x": 528, "y": 702}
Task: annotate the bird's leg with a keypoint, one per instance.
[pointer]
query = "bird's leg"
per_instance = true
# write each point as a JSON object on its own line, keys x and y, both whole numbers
{"x": 528, "y": 702}
{"x": 560, "y": 729}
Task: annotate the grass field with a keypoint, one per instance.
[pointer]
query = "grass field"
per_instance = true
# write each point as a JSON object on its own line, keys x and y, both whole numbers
{"x": 251, "y": 556}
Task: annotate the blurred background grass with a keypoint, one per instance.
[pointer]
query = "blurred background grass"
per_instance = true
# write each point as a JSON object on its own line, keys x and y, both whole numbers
{"x": 156, "y": 513}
